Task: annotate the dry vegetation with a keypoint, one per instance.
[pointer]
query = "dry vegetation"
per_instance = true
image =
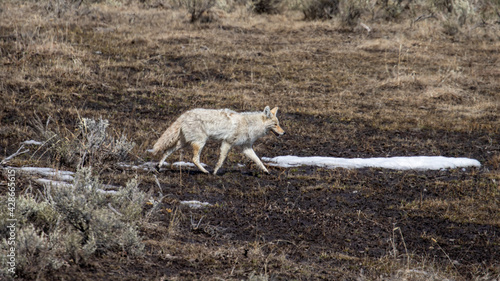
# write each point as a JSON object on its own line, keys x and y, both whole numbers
{"x": 352, "y": 79}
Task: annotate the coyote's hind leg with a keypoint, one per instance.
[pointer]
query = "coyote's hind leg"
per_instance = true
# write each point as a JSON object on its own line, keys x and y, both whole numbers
{"x": 180, "y": 144}
{"x": 197, "y": 147}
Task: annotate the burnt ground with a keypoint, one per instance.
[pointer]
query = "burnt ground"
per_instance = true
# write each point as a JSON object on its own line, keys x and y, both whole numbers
{"x": 339, "y": 95}
{"x": 314, "y": 223}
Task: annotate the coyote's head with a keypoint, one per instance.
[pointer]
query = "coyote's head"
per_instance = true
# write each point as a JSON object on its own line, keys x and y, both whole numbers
{"x": 272, "y": 122}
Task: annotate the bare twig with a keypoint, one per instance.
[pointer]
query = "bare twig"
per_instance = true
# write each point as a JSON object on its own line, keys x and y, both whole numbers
{"x": 366, "y": 27}
{"x": 404, "y": 244}
{"x": 446, "y": 254}
{"x": 40, "y": 147}
{"x": 159, "y": 185}
{"x": 114, "y": 210}
{"x": 423, "y": 17}
{"x": 195, "y": 226}
{"x": 18, "y": 152}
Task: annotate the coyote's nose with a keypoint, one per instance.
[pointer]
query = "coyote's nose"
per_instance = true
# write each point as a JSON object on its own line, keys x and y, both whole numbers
{"x": 278, "y": 134}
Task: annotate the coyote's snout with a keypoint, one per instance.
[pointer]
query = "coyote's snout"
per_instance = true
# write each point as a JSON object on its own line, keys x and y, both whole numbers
{"x": 195, "y": 127}
{"x": 277, "y": 130}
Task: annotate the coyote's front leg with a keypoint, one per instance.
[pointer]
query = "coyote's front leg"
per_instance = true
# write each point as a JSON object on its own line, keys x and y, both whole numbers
{"x": 224, "y": 149}
{"x": 250, "y": 153}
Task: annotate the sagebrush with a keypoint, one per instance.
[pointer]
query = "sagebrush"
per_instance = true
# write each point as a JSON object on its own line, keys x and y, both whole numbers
{"x": 66, "y": 225}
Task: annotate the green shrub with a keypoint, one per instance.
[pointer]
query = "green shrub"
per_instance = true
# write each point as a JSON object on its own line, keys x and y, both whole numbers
{"x": 198, "y": 9}
{"x": 38, "y": 213}
{"x": 351, "y": 11}
{"x": 95, "y": 145}
{"x": 89, "y": 211}
{"x": 72, "y": 224}
{"x": 347, "y": 11}
{"x": 320, "y": 9}
{"x": 37, "y": 251}
{"x": 267, "y": 6}
{"x": 90, "y": 145}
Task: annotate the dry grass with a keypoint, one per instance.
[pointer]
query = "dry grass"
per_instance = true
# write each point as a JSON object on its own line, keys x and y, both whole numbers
{"x": 403, "y": 87}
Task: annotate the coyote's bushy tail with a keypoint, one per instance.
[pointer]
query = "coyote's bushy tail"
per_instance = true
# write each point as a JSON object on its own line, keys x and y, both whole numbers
{"x": 168, "y": 139}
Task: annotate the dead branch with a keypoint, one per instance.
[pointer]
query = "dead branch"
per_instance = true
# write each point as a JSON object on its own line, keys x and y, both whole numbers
{"x": 18, "y": 152}
{"x": 366, "y": 27}
{"x": 423, "y": 17}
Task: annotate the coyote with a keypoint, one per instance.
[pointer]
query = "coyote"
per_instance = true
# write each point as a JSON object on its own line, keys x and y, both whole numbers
{"x": 196, "y": 126}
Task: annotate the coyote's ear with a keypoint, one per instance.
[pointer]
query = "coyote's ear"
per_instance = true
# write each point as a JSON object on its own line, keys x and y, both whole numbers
{"x": 267, "y": 112}
{"x": 274, "y": 111}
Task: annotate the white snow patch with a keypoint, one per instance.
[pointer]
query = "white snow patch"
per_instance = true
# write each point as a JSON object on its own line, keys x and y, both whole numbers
{"x": 32, "y": 142}
{"x": 107, "y": 191}
{"x": 186, "y": 164}
{"x": 60, "y": 178}
{"x": 396, "y": 163}
{"x": 53, "y": 183}
{"x": 48, "y": 172}
{"x": 195, "y": 204}
{"x": 56, "y": 183}
{"x": 145, "y": 166}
